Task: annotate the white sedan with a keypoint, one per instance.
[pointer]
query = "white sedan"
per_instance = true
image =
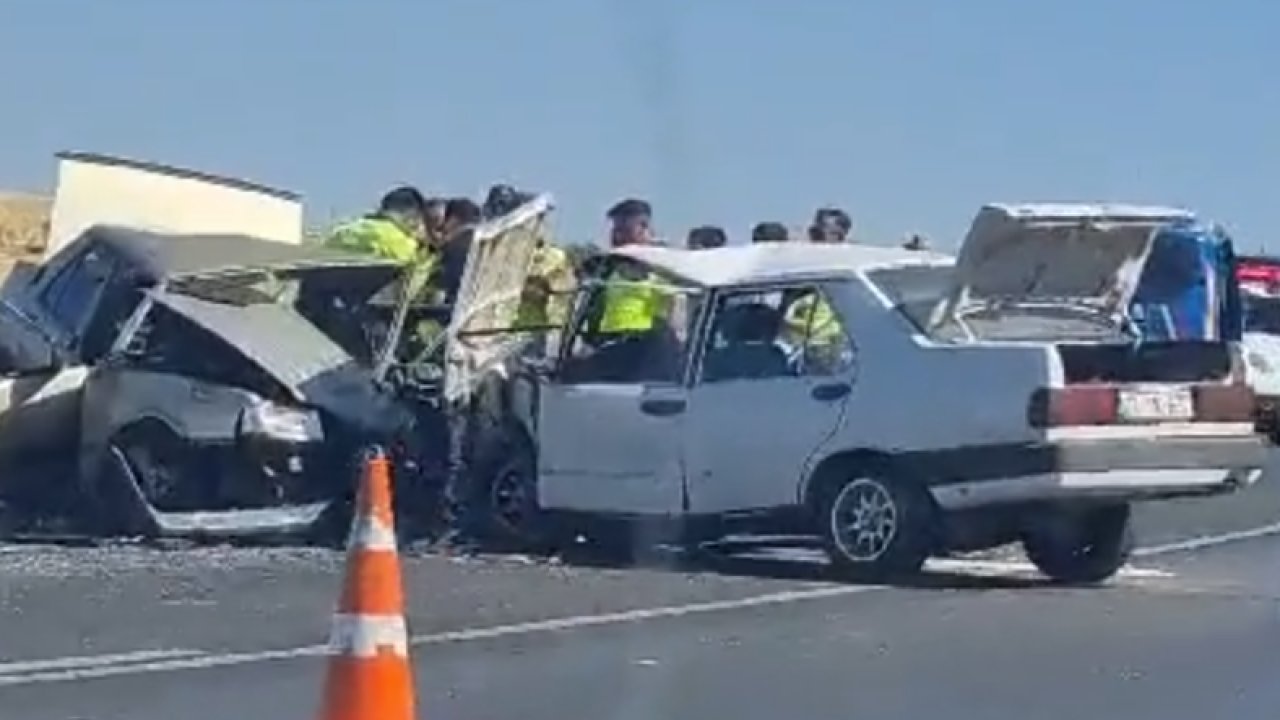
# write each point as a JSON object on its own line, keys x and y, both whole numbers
{"x": 957, "y": 405}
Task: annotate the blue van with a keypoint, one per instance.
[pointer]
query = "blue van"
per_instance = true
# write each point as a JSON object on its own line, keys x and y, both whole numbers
{"x": 1188, "y": 290}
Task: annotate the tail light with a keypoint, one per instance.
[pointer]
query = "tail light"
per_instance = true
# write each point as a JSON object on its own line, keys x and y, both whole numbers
{"x": 1099, "y": 405}
{"x": 1225, "y": 403}
{"x": 1080, "y": 405}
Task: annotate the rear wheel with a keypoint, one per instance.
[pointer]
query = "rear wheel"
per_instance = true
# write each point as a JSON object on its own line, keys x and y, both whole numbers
{"x": 1082, "y": 547}
{"x": 875, "y": 526}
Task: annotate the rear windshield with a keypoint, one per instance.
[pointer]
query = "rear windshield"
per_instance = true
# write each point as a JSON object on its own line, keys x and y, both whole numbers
{"x": 1261, "y": 314}
{"x": 915, "y": 292}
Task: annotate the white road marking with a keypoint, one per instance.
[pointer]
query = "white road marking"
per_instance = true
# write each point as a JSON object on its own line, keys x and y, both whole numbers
{"x": 161, "y": 661}
{"x": 212, "y": 660}
{"x": 1008, "y": 567}
{"x": 1206, "y": 541}
{"x": 92, "y": 661}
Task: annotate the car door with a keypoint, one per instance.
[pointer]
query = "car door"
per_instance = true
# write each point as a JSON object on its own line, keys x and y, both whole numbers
{"x": 773, "y": 386}
{"x": 610, "y": 428}
{"x": 40, "y": 401}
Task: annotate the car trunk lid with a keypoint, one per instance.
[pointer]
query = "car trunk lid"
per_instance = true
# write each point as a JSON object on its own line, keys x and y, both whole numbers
{"x": 1089, "y": 255}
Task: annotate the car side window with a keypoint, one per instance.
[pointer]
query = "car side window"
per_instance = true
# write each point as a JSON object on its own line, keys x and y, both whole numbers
{"x": 774, "y": 333}
{"x": 819, "y": 336}
{"x": 70, "y": 297}
{"x": 653, "y": 350}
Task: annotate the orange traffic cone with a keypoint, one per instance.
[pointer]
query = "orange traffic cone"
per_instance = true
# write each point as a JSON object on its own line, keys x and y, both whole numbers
{"x": 369, "y": 676}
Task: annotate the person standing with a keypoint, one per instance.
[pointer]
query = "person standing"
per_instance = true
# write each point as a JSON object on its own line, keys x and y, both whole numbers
{"x": 397, "y": 230}
{"x": 830, "y": 225}
{"x": 706, "y": 237}
{"x": 769, "y": 232}
{"x": 633, "y": 300}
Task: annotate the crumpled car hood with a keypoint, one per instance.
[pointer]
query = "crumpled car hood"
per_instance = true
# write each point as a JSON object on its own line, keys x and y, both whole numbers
{"x": 296, "y": 353}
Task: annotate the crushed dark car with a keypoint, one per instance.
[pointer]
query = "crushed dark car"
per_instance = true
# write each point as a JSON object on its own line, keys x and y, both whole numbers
{"x": 182, "y": 384}
{"x": 159, "y": 384}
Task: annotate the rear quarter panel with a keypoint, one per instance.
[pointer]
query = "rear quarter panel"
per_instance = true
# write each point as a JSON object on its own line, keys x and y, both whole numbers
{"x": 912, "y": 394}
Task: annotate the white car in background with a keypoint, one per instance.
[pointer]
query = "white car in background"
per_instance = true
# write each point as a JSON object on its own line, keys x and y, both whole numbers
{"x": 1260, "y": 291}
{"x": 960, "y": 405}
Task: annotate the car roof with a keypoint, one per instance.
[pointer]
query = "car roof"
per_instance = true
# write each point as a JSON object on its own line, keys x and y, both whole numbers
{"x": 164, "y": 255}
{"x": 774, "y": 262}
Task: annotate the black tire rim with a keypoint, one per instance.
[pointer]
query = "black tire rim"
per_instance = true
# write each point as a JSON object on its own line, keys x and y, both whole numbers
{"x": 511, "y": 497}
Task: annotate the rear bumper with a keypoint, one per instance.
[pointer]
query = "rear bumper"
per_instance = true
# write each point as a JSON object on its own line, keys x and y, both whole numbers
{"x": 1267, "y": 415}
{"x": 1126, "y": 469}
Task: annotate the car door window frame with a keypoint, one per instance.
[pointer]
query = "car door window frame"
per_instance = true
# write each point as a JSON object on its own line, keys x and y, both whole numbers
{"x": 798, "y": 289}
{"x": 582, "y": 320}
{"x": 73, "y": 271}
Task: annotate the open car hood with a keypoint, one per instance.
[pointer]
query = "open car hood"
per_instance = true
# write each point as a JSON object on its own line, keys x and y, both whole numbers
{"x": 1083, "y": 255}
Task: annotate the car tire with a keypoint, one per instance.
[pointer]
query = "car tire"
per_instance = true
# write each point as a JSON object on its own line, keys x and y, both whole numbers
{"x": 1087, "y": 547}
{"x": 877, "y": 527}
{"x": 507, "y": 492}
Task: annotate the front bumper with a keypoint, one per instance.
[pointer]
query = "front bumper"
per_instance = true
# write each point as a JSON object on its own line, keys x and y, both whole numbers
{"x": 1127, "y": 469}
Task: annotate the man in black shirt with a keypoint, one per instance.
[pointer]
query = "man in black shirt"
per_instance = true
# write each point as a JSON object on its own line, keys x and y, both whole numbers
{"x": 461, "y": 216}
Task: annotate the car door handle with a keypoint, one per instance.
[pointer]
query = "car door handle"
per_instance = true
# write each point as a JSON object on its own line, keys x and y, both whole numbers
{"x": 831, "y": 391}
{"x": 662, "y": 407}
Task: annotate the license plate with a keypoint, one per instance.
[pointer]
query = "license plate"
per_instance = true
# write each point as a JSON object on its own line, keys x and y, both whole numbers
{"x": 1156, "y": 404}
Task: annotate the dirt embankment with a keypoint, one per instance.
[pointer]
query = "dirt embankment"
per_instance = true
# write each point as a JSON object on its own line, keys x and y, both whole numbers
{"x": 24, "y": 228}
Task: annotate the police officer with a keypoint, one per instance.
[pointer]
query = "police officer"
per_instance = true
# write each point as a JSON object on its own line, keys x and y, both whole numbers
{"x": 633, "y": 301}
{"x": 397, "y": 230}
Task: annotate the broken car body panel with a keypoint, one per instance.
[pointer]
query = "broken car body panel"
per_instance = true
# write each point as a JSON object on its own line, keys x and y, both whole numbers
{"x": 199, "y": 339}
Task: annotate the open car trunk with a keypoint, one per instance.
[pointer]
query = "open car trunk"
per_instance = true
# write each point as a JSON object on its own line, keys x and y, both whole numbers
{"x": 1163, "y": 362}
{"x": 1068, "y": 275}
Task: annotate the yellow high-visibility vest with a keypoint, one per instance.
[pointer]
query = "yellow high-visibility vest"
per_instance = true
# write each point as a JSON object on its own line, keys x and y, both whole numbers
{"x": 633, "y": 306}
{"x": 811, "y": 316}
{"x": 374, "y": 236}
{"x": 552, "y": 268}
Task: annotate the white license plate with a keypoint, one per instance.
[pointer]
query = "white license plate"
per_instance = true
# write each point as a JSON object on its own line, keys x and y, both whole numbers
{"x": 1156, "y": 404}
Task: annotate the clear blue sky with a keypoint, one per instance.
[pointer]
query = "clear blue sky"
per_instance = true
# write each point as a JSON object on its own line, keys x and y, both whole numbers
{"x": 908, "y": 113}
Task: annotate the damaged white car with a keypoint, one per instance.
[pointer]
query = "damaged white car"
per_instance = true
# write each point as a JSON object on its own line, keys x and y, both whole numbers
{"x": 933, "y": 406}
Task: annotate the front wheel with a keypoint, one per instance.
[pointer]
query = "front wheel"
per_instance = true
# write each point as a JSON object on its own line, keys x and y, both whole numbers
{"x": 510, "y": 515}
{"x": 876, "y": 527}
{"x": 1085, "y": 547}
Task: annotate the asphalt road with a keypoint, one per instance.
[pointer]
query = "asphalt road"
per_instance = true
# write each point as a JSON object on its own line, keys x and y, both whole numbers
{"x": 217, "y": 633}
